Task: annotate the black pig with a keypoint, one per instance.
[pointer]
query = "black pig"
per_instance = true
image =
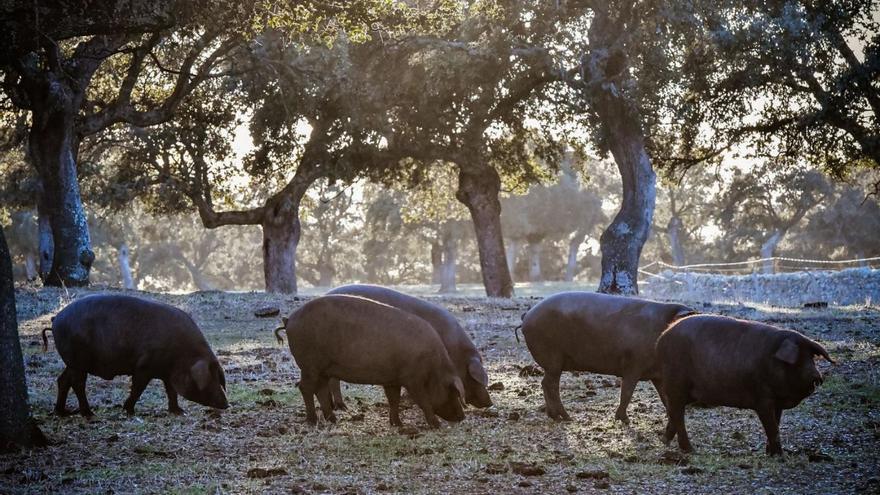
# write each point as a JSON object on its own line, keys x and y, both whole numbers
{"x": 721, "y": 361}
{"x": 111, "y": 335}
{"x": 359, "y": 340}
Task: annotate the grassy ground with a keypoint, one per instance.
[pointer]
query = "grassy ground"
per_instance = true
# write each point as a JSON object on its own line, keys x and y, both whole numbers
{"x": 263, "y": 445}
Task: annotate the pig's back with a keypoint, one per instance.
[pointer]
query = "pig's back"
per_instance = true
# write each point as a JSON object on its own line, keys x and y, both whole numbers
{"x": 453, "y": 336}
{"x": 591, "y": 331}
{"x": 106, "y": 335}
{"x": 371, "y": 340}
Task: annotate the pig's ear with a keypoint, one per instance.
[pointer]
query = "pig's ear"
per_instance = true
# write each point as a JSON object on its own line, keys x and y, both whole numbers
{"x": 475, "y": 369}
{"x": 201, "y": 373}
{"x": 284, "y": 321}
{"x": 817, "y": 350}
{"x": 787, "y": 352}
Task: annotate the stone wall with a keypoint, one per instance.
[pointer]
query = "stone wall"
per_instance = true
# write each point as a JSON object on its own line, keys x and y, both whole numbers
{"x": 844, "y": 287}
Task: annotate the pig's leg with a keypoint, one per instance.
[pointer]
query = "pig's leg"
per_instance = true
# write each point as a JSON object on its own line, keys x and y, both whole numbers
{"x": 325, "y": 400}
{"x": 307, "y": 389}
{"x": 78, "y": 382}
{"x": 675, "y": 414}
{"x": 658, "y": 386}
{"x": 63, "y": 389}
{"x": 627, "y": 387}
{"x": 550, "y": 384}
{"x": 767, "y": 414}
{"x": 336, "y": 392}
{"x": 393, "y": 394}
{"x": 173, "y": 406}
{"x": 424, "y": 403}
{"x": 138, "y": 384}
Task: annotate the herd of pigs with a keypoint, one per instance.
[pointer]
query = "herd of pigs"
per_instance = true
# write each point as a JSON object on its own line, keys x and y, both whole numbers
{"x": 374, "y": 335}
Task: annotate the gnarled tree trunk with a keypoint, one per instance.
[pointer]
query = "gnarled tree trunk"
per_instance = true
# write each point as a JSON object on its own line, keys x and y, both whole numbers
{"x": 16, "y": 425}
{"x": 52, "y": 147}
{"x": 623, "y": 239}
{"x": 478, "y": 188}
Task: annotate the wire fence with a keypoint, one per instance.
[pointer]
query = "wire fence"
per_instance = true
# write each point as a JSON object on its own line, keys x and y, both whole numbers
{"x": 774, "y": 264}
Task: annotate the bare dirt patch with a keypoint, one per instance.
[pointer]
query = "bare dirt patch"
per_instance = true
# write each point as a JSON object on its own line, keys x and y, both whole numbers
{"x": 263, "y": 445}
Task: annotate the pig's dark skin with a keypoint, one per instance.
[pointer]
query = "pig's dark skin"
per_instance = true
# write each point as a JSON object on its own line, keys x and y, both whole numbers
{"x": 464, "y": 355}
{"x": 112, "y": 335}
{"x": 358, "y": 340}
{"x": 598, "y": 333}
{"x": 721, "y": 361}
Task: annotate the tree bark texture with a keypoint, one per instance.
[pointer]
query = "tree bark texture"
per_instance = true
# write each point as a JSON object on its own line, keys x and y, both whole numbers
{"x": 16, "y": 426}
{"x": 478, "y": 188}
{"x": 621, "y": 130}
{"x": 46, "y": 244}
{"x": 52, "y": 146}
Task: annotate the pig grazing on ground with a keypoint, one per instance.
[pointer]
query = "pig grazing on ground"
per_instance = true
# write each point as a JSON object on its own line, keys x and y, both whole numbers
{"x": 111, "y": 335}
{"x": 721, "y": 361}
{"x": 599, "y": 333}
{"x": 464, "y": 355}
{"x": 359, "y": 340}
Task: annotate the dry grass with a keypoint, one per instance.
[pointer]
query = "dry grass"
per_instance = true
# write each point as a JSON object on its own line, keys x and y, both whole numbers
{"x": 262, "y": 444}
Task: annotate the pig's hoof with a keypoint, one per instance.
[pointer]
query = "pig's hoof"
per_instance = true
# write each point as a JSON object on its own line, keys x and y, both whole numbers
{"x": 176, "y": 411}
{"x": 331, "y": 418}
{"x": 623, "y": 418}
{"x": 62, "y": 413}
{"x": 87, "y": 413}
{"x": 340, "y": 406}
{"x": 774, "y": 450}
{"x": 312, "y": 421}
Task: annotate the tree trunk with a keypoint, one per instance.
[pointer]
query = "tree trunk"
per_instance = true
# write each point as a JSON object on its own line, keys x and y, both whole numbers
{"x": 326, "y": 273}
{"x": 30, "y": 267}
{"x": 535, "y": 261}
{"x": 16, "y": 425}
{"x": 436, "y": 262}
{"x": 125, "y": 268}
{"x": 624, "y": 238}
{"x": 46, "y": 245}
{"x": 673, "y": 229}
{"x": 768, "y": 248}
{"x": 573, "y": 246}
{"x": 53, "y": 147}
{"x": 450, "y": 264}
{"x": 280, "y": 239}
{"x": 478, "y": 189}
{"x": 605, "y": 66}
{"x": 511, "y": 246}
